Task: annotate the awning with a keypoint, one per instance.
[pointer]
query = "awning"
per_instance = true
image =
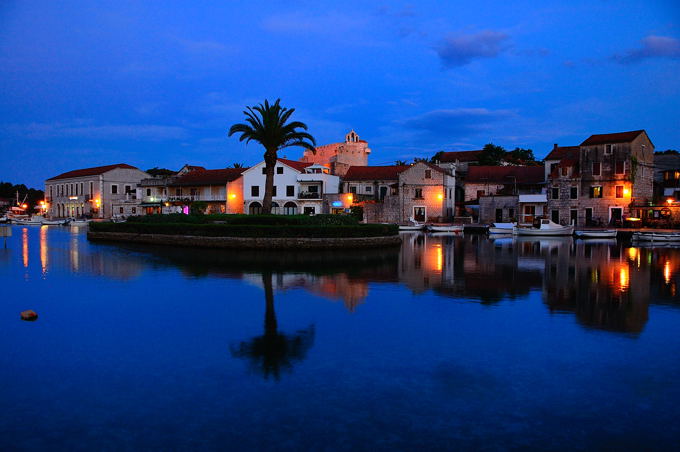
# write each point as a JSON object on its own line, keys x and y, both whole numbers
{"x": 540, "y": 198}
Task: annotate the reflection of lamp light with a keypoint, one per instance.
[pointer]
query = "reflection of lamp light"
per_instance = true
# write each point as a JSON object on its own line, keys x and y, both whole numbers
{"x": 667, "y": 272}
{"x": 632, "y": 253}
{"x": 350, "y": 198}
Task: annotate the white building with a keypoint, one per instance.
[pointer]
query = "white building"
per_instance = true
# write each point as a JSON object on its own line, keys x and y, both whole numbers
{"x": 93, "y": 192}
{"x": 299, "y": 187}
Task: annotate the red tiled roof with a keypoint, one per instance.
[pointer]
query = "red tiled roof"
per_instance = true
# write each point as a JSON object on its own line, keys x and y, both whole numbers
{"x": 300, "y": 166}
{"x": 91, "y": 171}
{"x": 560, "y": 152}
{"x": 461, "y": 156}
{"x": 505, "y": 174}
{"x": 375, "y": 172}
{"x": 208, "y": 177}
{"x": 605, "y": 138}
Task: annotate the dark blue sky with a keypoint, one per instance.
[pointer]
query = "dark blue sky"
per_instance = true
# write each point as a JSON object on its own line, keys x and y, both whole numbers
{"x": 158, "y": 84}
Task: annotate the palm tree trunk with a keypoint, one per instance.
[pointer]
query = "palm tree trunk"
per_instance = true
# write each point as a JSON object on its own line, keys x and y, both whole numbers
{"x": 270, "y": 324}
{"x": 270, "y": 164}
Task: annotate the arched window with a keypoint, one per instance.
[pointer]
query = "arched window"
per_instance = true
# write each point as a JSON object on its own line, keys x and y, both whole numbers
{"x": 255, "y": 208}
{"x": 290, "y": 208}
{"x": 275, "y": 208}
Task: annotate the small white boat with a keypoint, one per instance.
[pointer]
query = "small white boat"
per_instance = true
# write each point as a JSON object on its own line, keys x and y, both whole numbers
{"x": 78, "y": 223}
{"x": 608, "y": 234}
{"x": 545, "y": 228}
{"x": 501, "y": 228}
{"x": 27, "y": 221}
{"x": 412, "y": 225}
{"x": 47, "y": 222}
{"x": 446, "y": 228}
{"x": 657, "y": 236}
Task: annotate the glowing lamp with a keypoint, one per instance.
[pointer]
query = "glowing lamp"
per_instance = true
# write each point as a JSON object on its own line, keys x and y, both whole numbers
{"x": 626, "y": 191}
{"x": 24, "y": 206}
{"x": 669, "y": 200}
{"x": 440, "y": 196}
{"x": 350, "y": 197}
{"x": 232, "y": 195}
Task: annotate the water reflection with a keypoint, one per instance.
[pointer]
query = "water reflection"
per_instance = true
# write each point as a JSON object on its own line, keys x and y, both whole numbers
{"x": 605, "y": 285}
{"x": 274, "y": 352}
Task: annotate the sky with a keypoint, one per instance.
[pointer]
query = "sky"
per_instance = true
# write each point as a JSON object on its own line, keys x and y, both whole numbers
{"x": 159, "y": 83}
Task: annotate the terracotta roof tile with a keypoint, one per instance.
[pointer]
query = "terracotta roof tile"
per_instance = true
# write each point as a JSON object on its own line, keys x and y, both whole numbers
{"x": 560, "y": 152}
{"x": 375, "y": 172}
{"x": 605, "y": 138}
{"x": 300, "y": 166}
{"x": 208, "y": 177}
{"x": 91, "y": 171}
{"x": 506, "y": 174}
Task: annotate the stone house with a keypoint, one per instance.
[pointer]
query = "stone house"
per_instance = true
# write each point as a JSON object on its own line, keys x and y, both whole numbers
{"x": 93, "y": 192}
{"x": 220, "y": 189}
{"x": 339, "y": 157}
{"x": 371, "y": 182}
{"x": 422, "y": 191}
{"x": 602, "y": 182}
{"x": 505, "y": 193}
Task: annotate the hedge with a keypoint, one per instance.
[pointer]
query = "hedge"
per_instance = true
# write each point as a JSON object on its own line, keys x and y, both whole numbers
{"x": 239, "y": 219}
{"x": 249, "y": 230}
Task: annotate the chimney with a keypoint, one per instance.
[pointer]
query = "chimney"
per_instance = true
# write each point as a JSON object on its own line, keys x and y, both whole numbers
{"x": 554, "y": 146}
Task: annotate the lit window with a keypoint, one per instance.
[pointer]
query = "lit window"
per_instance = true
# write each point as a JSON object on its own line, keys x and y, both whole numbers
{"x": 619, "y": 191}
{"x": 596, "y": 192}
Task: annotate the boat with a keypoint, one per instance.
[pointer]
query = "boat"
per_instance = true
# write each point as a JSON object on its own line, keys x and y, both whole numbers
{"x": 445, "y": 228}
{"x": 47, "y": 222}
{"x": 4, "y": 219}
{"x": 412, "y": 225}
{"x": 607, "y": 234}
{"x": 77, "y": 223}
{"x": 545, "y": 228}
{"x": 656, "y": 236}
{"x": 27, "y": 221}
{"x": 501, "y": 228}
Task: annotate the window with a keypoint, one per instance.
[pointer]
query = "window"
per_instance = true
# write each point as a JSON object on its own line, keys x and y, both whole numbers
{"x": 428, "y": 174}
{"x": 148, "y": 192}
{"x": 555, "y": 193}
{"x": 596, "y": 192}
{"x": 619, "y": 191}
{"x": 264, "y": 170}
{"x": 565, "y": 171}
{"x": 608, "y": 148}
{"x": 255, "y": 190}
{"x": 596, "y": 168}
{"x": 290, "y": 208}
{"x": 114, "y": 189}
{"x": 480, "y": 193}
{"x": 573, "y": 193}
{"x": 290, "y": 191}
{"x": 313, "y": 189}
{"x": 81, "y": 188}
{"x": 310, "y": 210}
{"x": 178, "y": 192}
{"x": 353, "y": 189}
{"x": 499, "y": 215}
{"x": 50, "y": 192}
{"x": 279, "y": 170}
{"x": 91, "y": 188}
{"x": 553, "y": 167}
{"x": 419, "y": 193}
{"x": 274, "y": 190}
{"x": 619, "y": 167}
{"x": 120, "y": 209}
{"x": 573, "y": 217}
{"x": 368, "y": 189}
{"x": 128, "y": 189}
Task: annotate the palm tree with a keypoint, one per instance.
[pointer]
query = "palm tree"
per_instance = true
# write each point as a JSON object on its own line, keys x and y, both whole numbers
{"x": 267, "y": 124}
{"x": 237, "y": 165}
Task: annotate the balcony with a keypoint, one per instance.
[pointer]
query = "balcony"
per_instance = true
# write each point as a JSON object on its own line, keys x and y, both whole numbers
{"x": 309, "y": 195}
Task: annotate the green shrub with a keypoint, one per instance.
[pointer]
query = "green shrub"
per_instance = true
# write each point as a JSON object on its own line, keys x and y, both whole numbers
{"x": 240, "y": 219}
{"x": 248, "y": 230}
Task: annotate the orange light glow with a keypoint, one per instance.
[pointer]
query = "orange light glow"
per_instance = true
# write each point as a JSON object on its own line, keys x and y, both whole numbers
{"x": 24, "y": 206}
{"x": 626, "y": 191}
{"x": 440, "y": 196}
{"x": 667, "y": 272}
{"x": 632, "y": 253}
{"x": 624, "y": 278}
{"x": 350, "y": 198}
{"x": 232, "y": 196}
{"x": 669, "y": 200}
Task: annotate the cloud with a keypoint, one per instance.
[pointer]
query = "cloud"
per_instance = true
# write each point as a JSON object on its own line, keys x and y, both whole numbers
{"x": 149, "y": 132}
{"x": 459, "y": 50}
{"x": 457, "y": 122}
{"x": 651, "y": 47}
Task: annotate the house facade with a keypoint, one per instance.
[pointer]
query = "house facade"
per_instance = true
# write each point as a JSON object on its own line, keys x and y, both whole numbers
{"x": 604, "y": 181}
{"x": 217, "y": 190}
{"x": 299, "y": 188}
{"x": 93, "y": 192}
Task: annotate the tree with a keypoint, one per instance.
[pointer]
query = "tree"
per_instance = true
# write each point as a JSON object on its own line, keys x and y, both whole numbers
{"x": 520, "y": 156}
{"x": 667, "y": 152}
{"x": 436, "y": 158}
{"x": 156, "y": 171}
{"x": 237, "y": 165}
{"x": 491, "y": 155}
{"x": 401, "y": 163}
{"x": 268, "y": 125}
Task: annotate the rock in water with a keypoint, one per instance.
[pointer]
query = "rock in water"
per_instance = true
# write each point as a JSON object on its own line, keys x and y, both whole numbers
{"x": 29, "y": 315}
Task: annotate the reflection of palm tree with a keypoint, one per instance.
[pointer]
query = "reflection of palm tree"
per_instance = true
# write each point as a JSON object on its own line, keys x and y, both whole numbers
{"x": 274, "y": 351}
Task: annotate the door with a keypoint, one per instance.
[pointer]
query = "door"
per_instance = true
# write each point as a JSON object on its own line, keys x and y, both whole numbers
{"x": 589, "y": 216}
{"x": 499, "y": 215}
{"x": 616, "y": 214}
{"x": 555, "y": 216}
{"x": 573, "y": 217}
{"x": 419, "y": 213}
{"x": 383, "y": 192}
{"x": 529, "y": 214}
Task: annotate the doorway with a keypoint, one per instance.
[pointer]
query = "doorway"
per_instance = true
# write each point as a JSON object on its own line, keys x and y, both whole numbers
{"x": 419, "y": 213}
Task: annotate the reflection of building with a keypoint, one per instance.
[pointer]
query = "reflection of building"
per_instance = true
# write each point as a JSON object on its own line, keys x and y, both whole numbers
{"x": 93, "y": 192}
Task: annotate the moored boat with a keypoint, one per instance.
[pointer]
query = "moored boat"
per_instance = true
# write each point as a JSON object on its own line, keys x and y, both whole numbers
{"x": 585, "y": 234}
{"x": 501, "y": 228}
{"x": 47, "y": 222}
{"x": 412, "y": 225}
{"x": 656, "y": 236}
{"x": 27, "y": 221}
{"x": 446, "y": 228}
{"x": 545, "y": 228}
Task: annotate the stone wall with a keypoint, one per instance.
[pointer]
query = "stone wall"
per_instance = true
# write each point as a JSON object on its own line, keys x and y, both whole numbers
{"x": 489, "y": 204}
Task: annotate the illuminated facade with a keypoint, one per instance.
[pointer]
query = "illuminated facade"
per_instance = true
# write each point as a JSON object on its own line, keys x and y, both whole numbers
{"x": 93, "y": 192}
{"x": 338, "y": 157}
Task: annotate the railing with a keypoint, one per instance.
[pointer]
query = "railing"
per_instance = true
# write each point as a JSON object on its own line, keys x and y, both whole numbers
{"x": 309, "y": 195}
